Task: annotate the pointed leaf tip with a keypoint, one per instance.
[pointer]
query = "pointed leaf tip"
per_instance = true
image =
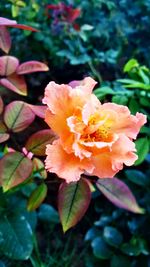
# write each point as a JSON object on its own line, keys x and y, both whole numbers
{"x": 73, "y": 201}
{"x": 5, "y": 39}
{"x": 119, "y": 194}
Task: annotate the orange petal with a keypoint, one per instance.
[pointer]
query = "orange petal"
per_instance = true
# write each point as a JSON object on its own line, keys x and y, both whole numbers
{"x": 125, "y": 123}
{"x": 108, "y": 163}
{"x": 56, "y": 96}
{"x": 123, "y": 151}
{"x": 103, "y": 166}
{"x": 66, "y": 166}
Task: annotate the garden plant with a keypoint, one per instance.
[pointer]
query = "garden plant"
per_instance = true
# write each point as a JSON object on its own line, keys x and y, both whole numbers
{"x": 74, "y": 134}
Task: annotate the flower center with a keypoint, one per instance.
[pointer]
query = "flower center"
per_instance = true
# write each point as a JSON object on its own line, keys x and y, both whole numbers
{"x": 102, "y": 134}
{"x": 98, "y": 129}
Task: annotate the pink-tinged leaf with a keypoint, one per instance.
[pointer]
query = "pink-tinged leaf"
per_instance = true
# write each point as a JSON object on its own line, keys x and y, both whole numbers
{"x": 37, "y": 142}
{"x": 37, "y": 197}
{"x": 119, "y": 194}
{"x": 5, "y": 39}
{"x": 15, "y": 83}
{"x": 8, "y": 65}
{"x": 18, "y": 116}
{"x": 4, "y": 136}
{"x": 15, "y": 168}
{"x": 73, "y": 201}
{"x": 1, "y": 105}
{"x": 38, "y": 167}
{"x": 6, "y": 22}
{"x": 39, "y": 110}
{"x": 31, "y": 66}
{"x": 13, "y": 23}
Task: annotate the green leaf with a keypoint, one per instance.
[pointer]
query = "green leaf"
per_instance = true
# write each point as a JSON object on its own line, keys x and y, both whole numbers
{"x": 37, "y": 142}
{"x": 134, "y": 106}
{"x": 100, "y": 248}
{"x": 73, "y": 201}
{"x": 18, "y": 116}
{"x": 144, "y": 77}
{"x": 119, "y": 194}
{"x": 17, "y": 237}
{"x": 137, "y": 177}
{"x": 120, "y": 100}
{"x": 144, "y": 101}
{"x": 135, "y": 247}
{"x": 37, "y": 197}
{"x": 103, "y": 91}
{"x": 48, "y": 214}
{"x": 120, "y": 261}
{"x": 132, "y": 63}
{"x": 112, "y": 236}
{"x": 15, "y": 168}
{"x": 129, "y": 83}
{"x": 15, "y": 11}
{"x": 142, "y": 146}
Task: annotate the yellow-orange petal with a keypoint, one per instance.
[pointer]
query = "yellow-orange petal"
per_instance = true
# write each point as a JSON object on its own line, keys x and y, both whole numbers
{"x": 62, "y": 103}
{"x": 109, "y": 162}
{"x": 66, "y": 166}
{"x": 125, "y": 122}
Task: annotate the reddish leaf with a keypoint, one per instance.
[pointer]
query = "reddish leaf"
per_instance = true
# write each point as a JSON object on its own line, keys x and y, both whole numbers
{"x": 1, "y": 105}
{"x": 18, "y": 116}
{"x": 24, "y": 27}
{"x": 13, "y": 23}
{"x": 3, "y": 132}
{"x": 37, "y": 197}
{"x": 39, "y": 110}
{"x": 37, "y": 142}
{"x": 73, "y": 201}
{"x": 8, "y": 65}
{"x": 15, "y": 83}
{"x": 5, "y": 40}
{"x": 38, "y": 166}
{"x": 14, "y": 169}
{"x": 32, "y": 66}
{"x": 119, "y": 194}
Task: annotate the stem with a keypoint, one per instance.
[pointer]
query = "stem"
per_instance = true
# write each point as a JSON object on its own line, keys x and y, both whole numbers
{"x": 95, "y": 72}
{"x": 35, "y": 257}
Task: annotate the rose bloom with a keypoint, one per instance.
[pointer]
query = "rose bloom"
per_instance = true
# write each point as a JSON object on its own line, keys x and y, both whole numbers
{"x": 92, "y": 138}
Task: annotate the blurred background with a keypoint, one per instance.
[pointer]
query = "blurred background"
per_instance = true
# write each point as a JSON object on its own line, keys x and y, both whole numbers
{"x": 109, "y": 41}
